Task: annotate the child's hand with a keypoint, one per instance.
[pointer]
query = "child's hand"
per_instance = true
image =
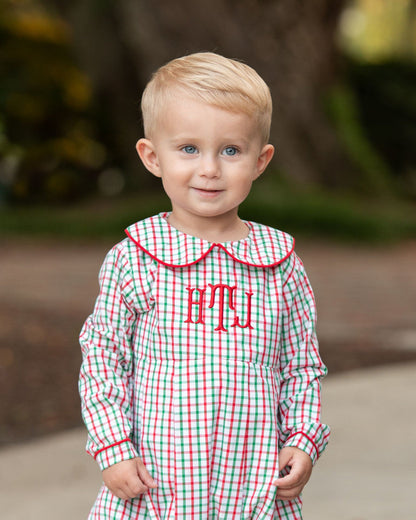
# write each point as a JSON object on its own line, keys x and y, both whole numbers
{"x": 128, "y": 479}
{"x": 291, "y": 485}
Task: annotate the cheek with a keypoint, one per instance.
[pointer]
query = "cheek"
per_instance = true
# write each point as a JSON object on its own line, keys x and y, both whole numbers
{"x": 242, "y": 190}
{"x": 244, "y": 179}
{"x": 170, "y": 187}
{"x": 246, "y": 187}
{"x": 174, "y": 184}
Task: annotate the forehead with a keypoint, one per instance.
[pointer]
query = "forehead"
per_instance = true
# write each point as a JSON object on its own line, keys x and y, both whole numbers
{"x": 187, "y": 113}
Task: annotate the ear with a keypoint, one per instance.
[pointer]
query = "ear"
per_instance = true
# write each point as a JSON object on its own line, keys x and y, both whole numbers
{"x": 147, "y": 153}
{"x": 264, "y": 158}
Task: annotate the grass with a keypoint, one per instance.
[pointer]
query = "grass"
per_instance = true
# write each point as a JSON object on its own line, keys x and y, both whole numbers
{"x": 94, "y": 219}
{"x": 315, "y": 212}
{"x": 309, "y": 212}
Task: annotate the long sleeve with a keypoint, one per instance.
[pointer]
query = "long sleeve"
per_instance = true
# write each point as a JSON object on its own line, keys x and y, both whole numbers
{"x": 301, "y": 367}
{"x": 106, "y": 370}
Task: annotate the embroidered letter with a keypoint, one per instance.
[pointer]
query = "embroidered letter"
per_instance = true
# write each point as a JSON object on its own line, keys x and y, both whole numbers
{"x": 199, "y": 303}
{"x": 222, "y": 288}
{"x": 248, "y": 321}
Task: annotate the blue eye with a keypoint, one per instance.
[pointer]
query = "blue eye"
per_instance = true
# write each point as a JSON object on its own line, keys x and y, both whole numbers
{"x": 189, "y": 149}
{"x": 230, "y": 151}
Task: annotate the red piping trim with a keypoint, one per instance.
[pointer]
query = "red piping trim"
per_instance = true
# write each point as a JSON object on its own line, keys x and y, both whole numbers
{"x": 254, "y": 265}
{"x": 309, "y": 439}
{"x": 206, "y": 253}
{"x": 111, "y": 446}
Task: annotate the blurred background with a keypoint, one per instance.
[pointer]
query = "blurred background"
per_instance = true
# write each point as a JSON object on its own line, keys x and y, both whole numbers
{"x": 342, "y": 75}
{"x": 343, "y": 79}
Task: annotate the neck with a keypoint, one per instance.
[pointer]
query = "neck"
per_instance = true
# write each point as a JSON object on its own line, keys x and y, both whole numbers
{"x": 212, "y": 230}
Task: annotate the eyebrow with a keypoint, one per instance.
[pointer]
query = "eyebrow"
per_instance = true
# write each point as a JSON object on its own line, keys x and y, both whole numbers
{"x": 195, "y": 140}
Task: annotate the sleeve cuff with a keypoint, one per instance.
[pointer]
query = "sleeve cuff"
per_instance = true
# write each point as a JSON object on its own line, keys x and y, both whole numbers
{"x": 117, "y": 452}
{"x": 305, "y": 443}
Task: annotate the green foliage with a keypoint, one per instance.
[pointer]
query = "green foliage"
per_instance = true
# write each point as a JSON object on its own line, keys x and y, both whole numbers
{"x": 385, "y": 95}
{"x": 376, "y": 30}
{"x": 51, "y": 135}
{"x": 313, "y": 213}
{"x": 93, "y": 219}
{"x": 48, "y": 141}
{"x": 316, "y": 212}
{"x": 343, "y": 109}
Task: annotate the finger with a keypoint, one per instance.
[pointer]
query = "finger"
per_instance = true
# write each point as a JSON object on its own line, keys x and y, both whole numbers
{"x": 293, "y": 479}
{"x": 284, "y": 459}
{"x": 136, "y": 487}
{"x": 288, "y": 495}
{"x": 134, "y": 482}
{"x": 120, "y": 493}
{"x": 144, "y": 475}
{"x": 116, "y": 490}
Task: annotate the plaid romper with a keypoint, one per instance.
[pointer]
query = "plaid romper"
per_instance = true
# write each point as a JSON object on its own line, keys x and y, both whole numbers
{"x": 202, "y": 359}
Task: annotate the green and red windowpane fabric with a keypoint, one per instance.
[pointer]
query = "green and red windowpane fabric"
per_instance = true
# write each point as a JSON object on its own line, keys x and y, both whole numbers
{"x": 202, "y": 359}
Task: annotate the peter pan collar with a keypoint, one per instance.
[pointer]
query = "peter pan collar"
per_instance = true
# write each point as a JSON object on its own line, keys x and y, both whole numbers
{"x": 264, "y": 246}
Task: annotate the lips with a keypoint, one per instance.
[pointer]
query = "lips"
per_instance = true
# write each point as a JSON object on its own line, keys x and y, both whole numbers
{"x": 207, "y": 193}
{"x": 206, "y": 190}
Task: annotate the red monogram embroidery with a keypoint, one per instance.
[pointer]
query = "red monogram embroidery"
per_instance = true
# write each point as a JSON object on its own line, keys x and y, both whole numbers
{"x": 222, "y": 290}
{"x": 199, "y": 303}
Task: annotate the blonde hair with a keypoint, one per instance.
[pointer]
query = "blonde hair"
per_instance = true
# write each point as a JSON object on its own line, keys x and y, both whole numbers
{"x": 212, "y": 79}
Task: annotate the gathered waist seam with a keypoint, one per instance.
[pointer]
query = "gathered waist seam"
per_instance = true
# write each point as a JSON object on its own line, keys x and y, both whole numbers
{"x": 214, "y": 361}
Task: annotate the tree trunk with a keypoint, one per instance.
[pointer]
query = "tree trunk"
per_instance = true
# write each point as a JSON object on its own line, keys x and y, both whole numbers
{"x": 289, "y": 42}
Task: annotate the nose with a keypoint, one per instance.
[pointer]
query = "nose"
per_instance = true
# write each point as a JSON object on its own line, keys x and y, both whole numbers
{"x": 209, "y": 166}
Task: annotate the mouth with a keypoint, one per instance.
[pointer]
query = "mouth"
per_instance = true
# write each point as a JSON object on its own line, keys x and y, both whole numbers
{"x": 207, "y": 192}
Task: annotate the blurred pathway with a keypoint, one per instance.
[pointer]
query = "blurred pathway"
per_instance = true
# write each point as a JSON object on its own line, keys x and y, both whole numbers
{"x": 364, "y": 293}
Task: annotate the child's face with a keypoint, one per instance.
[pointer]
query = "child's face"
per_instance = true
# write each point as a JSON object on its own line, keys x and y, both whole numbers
{"x": 207, "y": 159}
